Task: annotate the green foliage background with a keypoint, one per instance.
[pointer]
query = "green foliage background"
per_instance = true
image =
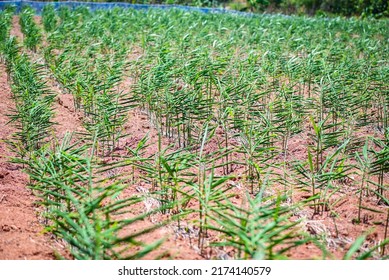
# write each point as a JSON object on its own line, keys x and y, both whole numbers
{"x": 364, "y": 8}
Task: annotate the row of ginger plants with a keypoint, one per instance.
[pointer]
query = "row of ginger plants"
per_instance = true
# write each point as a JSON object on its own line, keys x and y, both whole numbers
{"x": 79, "y": 205}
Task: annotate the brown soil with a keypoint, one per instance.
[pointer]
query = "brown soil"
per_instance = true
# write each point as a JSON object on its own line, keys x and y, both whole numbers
{"x": 16, "y": 30}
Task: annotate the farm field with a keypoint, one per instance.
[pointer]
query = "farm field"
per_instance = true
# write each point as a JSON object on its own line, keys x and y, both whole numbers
{"x": 165, "y": 134}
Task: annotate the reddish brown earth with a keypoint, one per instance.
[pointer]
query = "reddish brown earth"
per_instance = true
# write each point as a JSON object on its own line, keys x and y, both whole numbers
{"x": 21, "y": 234}
{"x": 16, "y": 31}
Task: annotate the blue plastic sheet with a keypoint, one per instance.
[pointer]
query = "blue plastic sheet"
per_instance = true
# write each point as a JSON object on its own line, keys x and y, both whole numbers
{"x": 38, "y": 6}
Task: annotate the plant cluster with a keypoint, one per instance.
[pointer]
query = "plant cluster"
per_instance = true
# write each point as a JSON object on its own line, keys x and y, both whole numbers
{"x": 33, "y": 111}
{"x": 30, "y": 29}
{"x": 89, "y": 64}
